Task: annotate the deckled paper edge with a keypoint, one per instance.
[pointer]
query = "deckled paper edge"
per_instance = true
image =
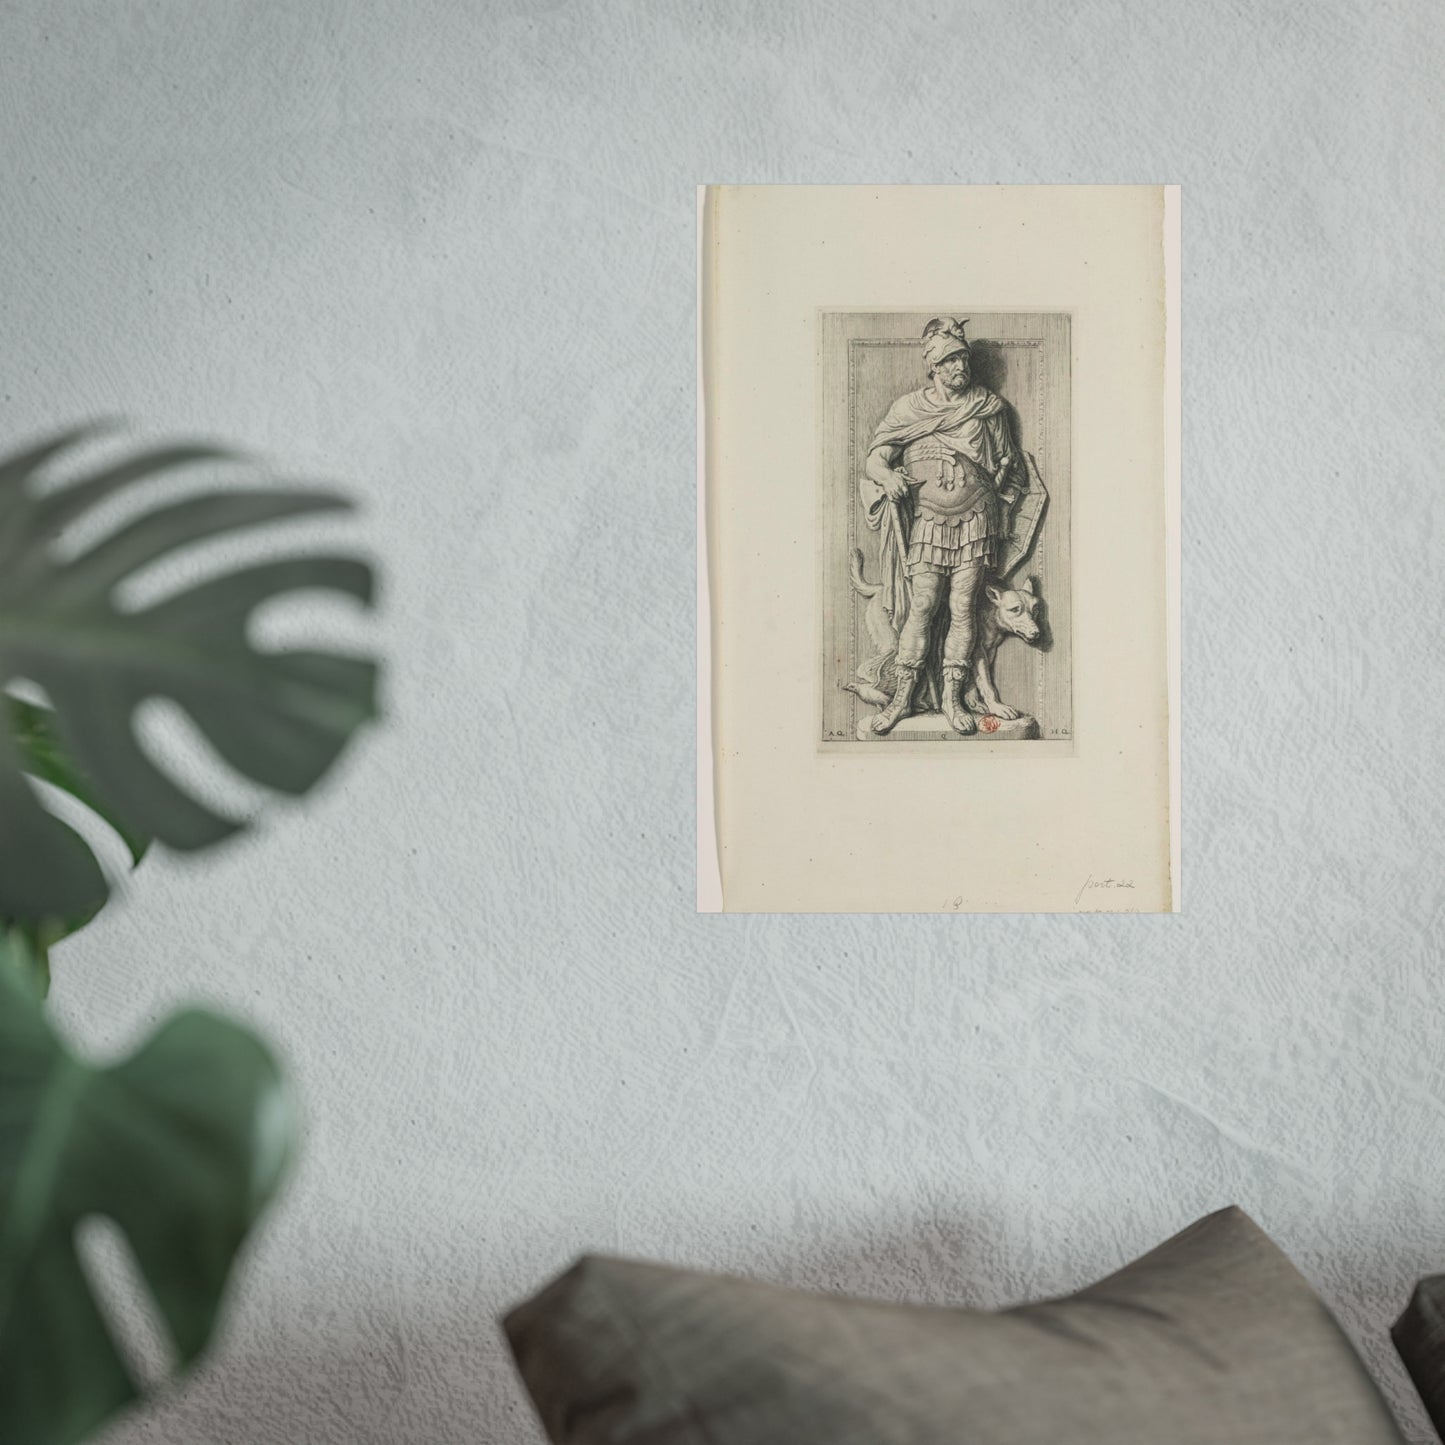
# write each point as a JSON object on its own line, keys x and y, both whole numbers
{"x": 709, "y": 873}
{"x": 1173, "y": 433}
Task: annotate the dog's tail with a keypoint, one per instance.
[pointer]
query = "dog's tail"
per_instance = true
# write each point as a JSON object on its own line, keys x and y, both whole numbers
{"x": 861, "y": 585}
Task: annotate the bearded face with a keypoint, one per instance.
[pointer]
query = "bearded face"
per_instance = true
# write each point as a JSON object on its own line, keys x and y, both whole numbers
{"x": 953, "y": 373}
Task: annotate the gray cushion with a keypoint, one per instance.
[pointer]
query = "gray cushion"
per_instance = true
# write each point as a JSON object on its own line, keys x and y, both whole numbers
{"x": 1212, "y": 1337}
{"x": 1419, "y": 1336}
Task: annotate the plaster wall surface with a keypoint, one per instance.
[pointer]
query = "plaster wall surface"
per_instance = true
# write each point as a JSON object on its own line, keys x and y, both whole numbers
{"x": 443, "y": 252}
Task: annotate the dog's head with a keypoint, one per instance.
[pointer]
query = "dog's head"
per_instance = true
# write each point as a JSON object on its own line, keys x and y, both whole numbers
{"x": 1015, "y": 608}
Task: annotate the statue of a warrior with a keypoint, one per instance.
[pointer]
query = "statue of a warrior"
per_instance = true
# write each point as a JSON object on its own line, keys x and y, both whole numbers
{"x": 938, "y": 488}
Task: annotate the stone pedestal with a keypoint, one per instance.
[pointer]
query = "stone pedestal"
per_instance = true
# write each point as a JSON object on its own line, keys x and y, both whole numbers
{"x": 928, "y": 727}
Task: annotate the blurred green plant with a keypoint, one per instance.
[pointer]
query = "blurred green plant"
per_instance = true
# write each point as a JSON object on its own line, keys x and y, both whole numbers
{"x": 184, "y": 1143}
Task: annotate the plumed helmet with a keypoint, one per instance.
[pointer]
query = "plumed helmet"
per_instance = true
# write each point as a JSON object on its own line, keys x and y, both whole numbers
{"x": 942, "y": 337}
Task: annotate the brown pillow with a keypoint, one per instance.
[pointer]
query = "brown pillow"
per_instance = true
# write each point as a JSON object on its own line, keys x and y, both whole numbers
{"x": 1419, "y": 1336}
{"x": 1213, "y": 1337}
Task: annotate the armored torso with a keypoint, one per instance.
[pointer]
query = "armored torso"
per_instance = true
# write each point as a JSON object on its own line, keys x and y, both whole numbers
{"x": 954, "y": 519}
{"x": 952, "y": 484}
{"x": 949, "y": 451}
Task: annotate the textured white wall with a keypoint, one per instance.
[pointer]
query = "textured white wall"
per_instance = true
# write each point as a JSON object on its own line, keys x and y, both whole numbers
{"x": 443, "y": 251}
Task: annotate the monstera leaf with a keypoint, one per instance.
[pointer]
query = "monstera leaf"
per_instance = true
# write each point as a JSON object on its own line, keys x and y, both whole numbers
{"x": 34, "y": 731}
{"x": 280, "y": 718}
{"x": 181, "y": 1144}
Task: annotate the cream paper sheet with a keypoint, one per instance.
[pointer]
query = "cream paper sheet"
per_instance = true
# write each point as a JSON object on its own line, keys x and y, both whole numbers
{"x": 1083, "y": 821}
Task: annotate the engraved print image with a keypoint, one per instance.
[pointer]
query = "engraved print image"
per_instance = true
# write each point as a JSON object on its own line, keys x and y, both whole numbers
{"x": 945, "y": 534}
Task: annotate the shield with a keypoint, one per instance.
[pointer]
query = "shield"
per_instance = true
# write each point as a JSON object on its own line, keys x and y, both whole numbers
{"x": 1026, "y": 520}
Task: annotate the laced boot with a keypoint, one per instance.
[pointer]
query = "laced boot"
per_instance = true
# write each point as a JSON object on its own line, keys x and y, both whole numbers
{"x": 902, "y": 698}
{"x": 959, "y": 717}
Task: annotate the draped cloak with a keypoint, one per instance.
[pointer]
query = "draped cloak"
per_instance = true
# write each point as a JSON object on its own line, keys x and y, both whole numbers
{"x": 974, "y": 427}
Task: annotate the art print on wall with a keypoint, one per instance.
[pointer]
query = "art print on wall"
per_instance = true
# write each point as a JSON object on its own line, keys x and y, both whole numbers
{"x": 945, "y": 506}
{"x": 938, "y": 525}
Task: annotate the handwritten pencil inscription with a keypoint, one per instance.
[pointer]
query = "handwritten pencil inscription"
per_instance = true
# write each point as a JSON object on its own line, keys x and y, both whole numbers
{"x": 1096, "y": 885}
